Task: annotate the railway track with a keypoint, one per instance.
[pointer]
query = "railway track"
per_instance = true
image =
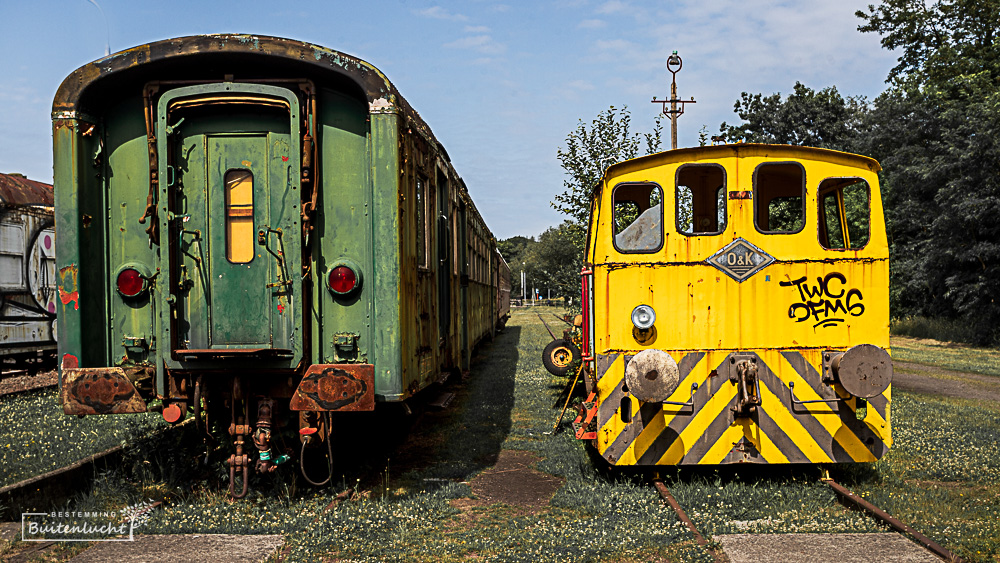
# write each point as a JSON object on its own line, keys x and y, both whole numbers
{"x": 845, "y": 495}
{"x": 14, "y": 382}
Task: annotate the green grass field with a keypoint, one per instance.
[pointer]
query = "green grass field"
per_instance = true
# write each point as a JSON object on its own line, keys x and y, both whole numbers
{"x": 415, "y": 501}
{"x": 947, "y": 355}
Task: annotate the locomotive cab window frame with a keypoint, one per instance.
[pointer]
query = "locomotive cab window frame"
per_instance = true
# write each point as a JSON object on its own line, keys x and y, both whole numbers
{"x": 779, "y": 188}
{"x": 844, "y": 201}
{"x": 700, "y": 199}
{"x": 637, "y": 217}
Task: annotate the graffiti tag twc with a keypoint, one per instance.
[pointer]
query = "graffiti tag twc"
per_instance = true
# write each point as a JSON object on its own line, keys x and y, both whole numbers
{"x": 821, "y": 302}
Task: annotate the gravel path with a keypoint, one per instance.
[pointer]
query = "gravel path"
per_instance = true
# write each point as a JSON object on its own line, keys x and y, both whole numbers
{"x": 930, "y": 380}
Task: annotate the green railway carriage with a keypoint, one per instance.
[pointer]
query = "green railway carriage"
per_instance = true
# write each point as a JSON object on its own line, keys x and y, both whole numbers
{"x": 262, "y": 224}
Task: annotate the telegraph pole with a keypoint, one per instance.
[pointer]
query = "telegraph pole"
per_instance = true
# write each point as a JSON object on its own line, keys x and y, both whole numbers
{"x": 674, "y": 65}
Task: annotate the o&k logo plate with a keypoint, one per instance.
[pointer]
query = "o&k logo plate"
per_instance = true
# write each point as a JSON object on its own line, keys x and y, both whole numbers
{"x": 740, "y": 259}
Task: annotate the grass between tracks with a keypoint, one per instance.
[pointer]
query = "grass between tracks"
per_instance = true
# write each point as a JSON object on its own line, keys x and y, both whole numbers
{"x": 942, "y": 477}
{"x": 35, "y": 435}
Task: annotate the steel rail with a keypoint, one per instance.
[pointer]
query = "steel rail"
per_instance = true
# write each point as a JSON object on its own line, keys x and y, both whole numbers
{"x": 895, "y": 524}
{"x": 665, "y": 493}
{"x": 546, "y": 326}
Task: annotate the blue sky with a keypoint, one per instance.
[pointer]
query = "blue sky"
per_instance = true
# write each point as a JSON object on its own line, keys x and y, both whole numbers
{"x": 500, "y": 83}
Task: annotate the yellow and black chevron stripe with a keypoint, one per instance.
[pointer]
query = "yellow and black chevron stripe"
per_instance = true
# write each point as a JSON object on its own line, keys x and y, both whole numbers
{"x": 706, "y": 431}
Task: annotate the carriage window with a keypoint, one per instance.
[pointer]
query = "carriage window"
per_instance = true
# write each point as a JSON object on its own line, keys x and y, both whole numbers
{"x": 779, "y": 191}
{"x": 11, "y": 256}
{"x": 844, "y": 201}
{"x": 637, "y": 215}
{"x": 239, "y": 216}
{"x": 701, "y": 199}
{"x": 421, "y": 222}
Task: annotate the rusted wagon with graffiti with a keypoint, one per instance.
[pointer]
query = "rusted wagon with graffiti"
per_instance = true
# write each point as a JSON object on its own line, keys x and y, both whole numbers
{"x": 736, "y": 309}
{"x": 27, "y": 275}
{"x": 262, "y": 229}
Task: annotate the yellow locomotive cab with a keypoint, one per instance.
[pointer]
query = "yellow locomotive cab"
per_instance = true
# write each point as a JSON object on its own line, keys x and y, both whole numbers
{"x": 736, "y": 309}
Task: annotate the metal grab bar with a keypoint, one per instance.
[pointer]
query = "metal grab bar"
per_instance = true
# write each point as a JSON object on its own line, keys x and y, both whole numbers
{"x": 694, "y": 387}
{"x": 791, "y": 389}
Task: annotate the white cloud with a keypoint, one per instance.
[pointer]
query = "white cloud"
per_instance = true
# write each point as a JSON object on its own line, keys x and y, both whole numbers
{"x": 612, "y": 7}
{"x": 481, "y": 43}
{"x": 476, "y": 29}
{"x": 439, "y": 13}
{"x": 591, "y": 24}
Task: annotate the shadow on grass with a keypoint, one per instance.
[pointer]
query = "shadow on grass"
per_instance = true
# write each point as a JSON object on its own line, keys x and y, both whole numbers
{"x": 392, "y": 447}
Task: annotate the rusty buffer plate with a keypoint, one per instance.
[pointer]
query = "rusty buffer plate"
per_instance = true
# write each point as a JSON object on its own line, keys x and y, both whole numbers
{"x": 336, "y": 387}
{"x": 99, "y": 391}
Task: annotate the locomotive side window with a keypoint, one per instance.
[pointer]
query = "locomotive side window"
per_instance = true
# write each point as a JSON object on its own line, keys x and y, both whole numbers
{"x": 844, "y": 202}
{"x": 701, "y": 199}
{"x": 779, "y": 194}
{"x": 637, "y": 217}
{"x": 239, "y": 216}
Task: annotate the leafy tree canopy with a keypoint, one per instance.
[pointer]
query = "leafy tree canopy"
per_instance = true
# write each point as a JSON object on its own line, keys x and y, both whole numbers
{"x": 806, "y": 117}
{"x": 591, "y": 150}
{"x": 938, "y": 40}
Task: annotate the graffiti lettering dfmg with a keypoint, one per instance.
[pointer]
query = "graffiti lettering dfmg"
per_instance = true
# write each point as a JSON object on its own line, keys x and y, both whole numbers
{"x": 824, "y": 301}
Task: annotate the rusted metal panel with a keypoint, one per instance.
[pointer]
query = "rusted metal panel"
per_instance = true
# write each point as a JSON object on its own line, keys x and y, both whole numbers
{"x": 15, "y": 189}
{"x": 336, "y": 387}
{"x": 99, "y": 391}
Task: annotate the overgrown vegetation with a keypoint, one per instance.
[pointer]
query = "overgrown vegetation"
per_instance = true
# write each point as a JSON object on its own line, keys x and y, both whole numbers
{"x": 415, "y": 502}
{"x": 36, "y": 437}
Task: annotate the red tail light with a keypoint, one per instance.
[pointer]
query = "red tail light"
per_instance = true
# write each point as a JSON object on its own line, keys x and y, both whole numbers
{"x": 343, "y": 280}
{"x": 130, "y": 282}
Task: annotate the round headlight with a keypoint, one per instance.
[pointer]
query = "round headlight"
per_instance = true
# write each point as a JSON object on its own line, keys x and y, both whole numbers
{"x": 643, "y": 317}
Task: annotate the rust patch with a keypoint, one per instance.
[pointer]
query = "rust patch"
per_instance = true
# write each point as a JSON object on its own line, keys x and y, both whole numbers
{"x": 15, "y": 189}
{"x": 336, "y": 387}
{"x": 99, "y": 391}
{"x": 72, "y": 296}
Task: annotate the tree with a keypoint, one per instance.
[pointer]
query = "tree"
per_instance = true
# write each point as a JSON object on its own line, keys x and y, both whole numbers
{"x": 806, "y": 117}
{"x": 556, "y": 260}
{"x": 590, "y": 151}
{"x": 936, "y": 131}
{"x": 941, "y": 40}
{"x": 515, "y": 250}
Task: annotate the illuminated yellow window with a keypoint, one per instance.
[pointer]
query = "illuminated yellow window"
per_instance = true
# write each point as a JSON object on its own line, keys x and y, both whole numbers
{"x": 239, "y": 216}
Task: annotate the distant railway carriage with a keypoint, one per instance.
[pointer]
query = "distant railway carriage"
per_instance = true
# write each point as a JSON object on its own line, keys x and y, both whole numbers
{"x": 736, "y": 309}
{"x": 27, "y": 274}
{"x": 263, "y": 224}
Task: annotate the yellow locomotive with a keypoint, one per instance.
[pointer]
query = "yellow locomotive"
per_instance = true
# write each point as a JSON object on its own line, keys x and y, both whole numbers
{"x": 736, "y": 309}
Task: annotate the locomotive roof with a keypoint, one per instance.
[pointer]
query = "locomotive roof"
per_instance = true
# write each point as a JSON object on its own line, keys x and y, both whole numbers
{"x": 199, "y": 55}
{"x": 778, "y": 152}
{"x": 15, "y": 189}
